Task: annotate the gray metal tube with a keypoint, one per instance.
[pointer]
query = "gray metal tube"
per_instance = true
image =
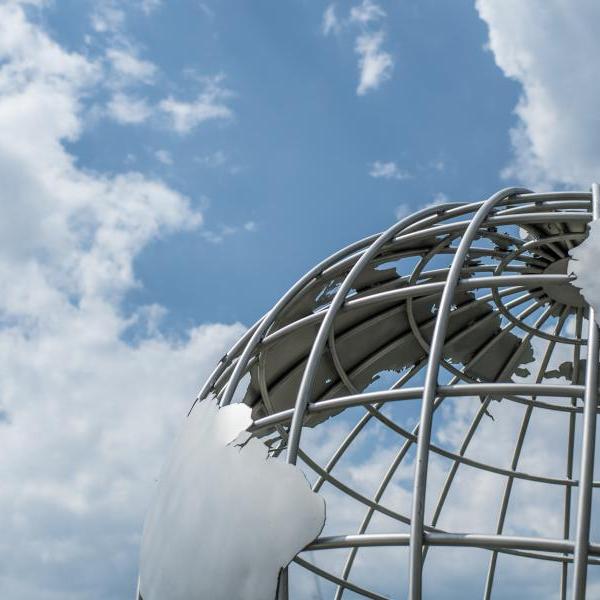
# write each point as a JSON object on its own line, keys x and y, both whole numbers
{"x": 305, "y": 389}
{"x": 588, "y": 443}
{"x": 430, "y": 390}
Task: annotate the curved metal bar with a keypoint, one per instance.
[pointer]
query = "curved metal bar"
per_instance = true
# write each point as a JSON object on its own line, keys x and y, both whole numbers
{"x": 402, "y": 452}
{"x": 270, "y": 317}
{"x": 305, "y": 389}
{"x": 346, "y": 584}
{"x": 429, "y": 393}
{"x": 570, "y": 453}
{"x": 463, "y": 540}
{"x": 223, "y": 363}
{"x": 414, "y": 234}
{"x": 505, "y": 390}
{"x": 519, "y": 283}
{"x": 475, "y": 424}
{"x": 493, "y": 282}
{"x": 463, "y": 389}
{"x": 359, "y": 426}
{"x": 588, "y": 443}
{"x": 460, "y": 459}
{"x": 517, "y": 455}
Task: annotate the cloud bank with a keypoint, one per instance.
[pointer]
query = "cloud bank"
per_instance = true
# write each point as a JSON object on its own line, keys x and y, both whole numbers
{"x": 90, "y": 395}
{"x": 551, "y": 48}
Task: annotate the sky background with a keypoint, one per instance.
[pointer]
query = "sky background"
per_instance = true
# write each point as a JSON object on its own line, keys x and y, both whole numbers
{"x": 285, "y": 172}
{"x": 169, "y": 169}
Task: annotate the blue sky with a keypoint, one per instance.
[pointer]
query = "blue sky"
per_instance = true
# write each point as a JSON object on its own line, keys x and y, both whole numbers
{"x": 295, "y": 156}
{"x": 168, "y": 170}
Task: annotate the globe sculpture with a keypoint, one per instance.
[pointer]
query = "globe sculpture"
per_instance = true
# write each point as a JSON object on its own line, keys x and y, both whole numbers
{"x": 437, "y": 383}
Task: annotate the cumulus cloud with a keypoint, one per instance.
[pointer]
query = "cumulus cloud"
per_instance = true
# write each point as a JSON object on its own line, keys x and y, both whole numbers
{"x": 375, "y": 64}
{"x": 553, "y": 58}
{"x": 91, "y": 394}
{"x": 208, "y": 492}
{"x": 387, "y": 170}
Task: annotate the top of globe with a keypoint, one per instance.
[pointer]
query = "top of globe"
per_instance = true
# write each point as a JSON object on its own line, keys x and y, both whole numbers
{"x": 437, "y": 384}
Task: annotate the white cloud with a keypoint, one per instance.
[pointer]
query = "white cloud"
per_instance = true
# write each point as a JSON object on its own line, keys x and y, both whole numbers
{"x": 107, "y": 17}
{"x": 216, "y": 159}
{"x": 330, "y": 23}
{"x": 181, "y": 116}
{"x": 439, "y": 198}
{"x": 225, "y": 231}
{"x": 149, "y": 6}
{"x": 129, "y": 67}
{"x": 403, "y": 210}
{"x": 554, "y": 59}
{"x": 387, "y": 170}
{"x": 208, "y": 492}
{"x": 164, "y": 157}
{"x": 127, "y": 109}
{"x": 209, "y": 105}
{"x": 89, "y": 414}
{"x": 367, "y": 12}
{"x": 375, "y": 64}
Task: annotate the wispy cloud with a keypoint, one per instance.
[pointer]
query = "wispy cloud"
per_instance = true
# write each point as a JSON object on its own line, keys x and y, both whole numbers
{"x": 405, "y": 209}
{"x": 402, "y": 210}
{"x": 330, "y": 22}
{"x": 149, "y": 6}
{"x": 387, "y": 170}
{"x": 128, "y": 110}
{"x": 439, "y": 198}
{"x": 164, "y": 157}
{"x": 129, "y": 68}
{"x": 179, "y": 115}
{"x": 219, "y": 235}
{"x": 183, "y": 116}
{"x": 367, "y": 12}
{"x": 107, "y": 17}
{"x": 216, "y": 159}
{"x": 374, "y": 62}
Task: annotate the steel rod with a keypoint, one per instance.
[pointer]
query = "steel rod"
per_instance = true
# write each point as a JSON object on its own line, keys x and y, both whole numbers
{"x": 463, "y": 540}
{"x": 517, "y": 455}
{"x": 588, "y": 443}
{"x": 415, "y": 558}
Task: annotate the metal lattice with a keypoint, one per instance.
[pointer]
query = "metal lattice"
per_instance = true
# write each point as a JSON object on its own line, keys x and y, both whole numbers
{"x": 453, "y": 300}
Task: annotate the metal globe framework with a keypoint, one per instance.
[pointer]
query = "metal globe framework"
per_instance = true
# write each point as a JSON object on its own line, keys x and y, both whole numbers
{"x": 451, "y": 300}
